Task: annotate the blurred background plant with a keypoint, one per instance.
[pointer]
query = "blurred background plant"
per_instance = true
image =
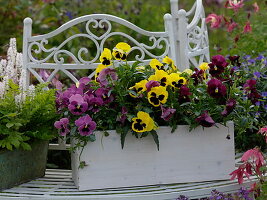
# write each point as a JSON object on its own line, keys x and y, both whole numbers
{"x": 47, "y": 15}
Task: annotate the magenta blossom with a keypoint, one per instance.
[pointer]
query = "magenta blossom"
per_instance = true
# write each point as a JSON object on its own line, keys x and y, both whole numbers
{"x": 94, "y": 103}
{"x": 214, "y": 20}
{"x": 151, "y": 84}
{"x": 85, "y": 125}
{"x": 197, "y": 76}
{"x": 217, "y": 65}
{"x": 230, "y": 105}
{"x": 184, "y": 94}
{"x": 167, "y": 113}
{"x": 77, "y": 104}
{"x": 105, "y": 94}
{"x": 231, "y": 26}
{"x": 62, "y": 125}
{"x": 216, "y": 88}
{"x": 247, "y": 28}
{"x": 106, "y": 76}
{"x": 235, "y": 4}
{"x": 205, "y": 120}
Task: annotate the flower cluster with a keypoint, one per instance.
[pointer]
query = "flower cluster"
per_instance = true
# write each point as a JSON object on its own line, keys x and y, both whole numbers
{"x": 138, "y": 99}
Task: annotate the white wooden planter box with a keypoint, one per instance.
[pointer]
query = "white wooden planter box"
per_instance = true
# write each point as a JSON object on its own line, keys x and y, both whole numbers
{"x": 199, "y": 155}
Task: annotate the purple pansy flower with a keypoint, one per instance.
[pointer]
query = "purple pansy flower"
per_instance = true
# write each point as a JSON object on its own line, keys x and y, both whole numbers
{"x": 205, "y": 120}
{"x": 167, "y": 113}
{"x": 94, "y": 103}
{"x": 106, "y": 75}
{"x": 184, "y": 94}
{"x": 197, "y": 76}
{"x": 230, "y": 105}
{"x": 151, "y": 84}
{"x": 85, "y": 125}
{"x": 216, "y": 88}
{"x": 104, "y": 93}
{"x": 77, "y": 104}
{"x": 217, "y": 65}
{"x": 62, "y": 125}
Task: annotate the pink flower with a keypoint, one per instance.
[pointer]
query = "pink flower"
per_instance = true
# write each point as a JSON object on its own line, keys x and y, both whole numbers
{"x": 254, "y": 156}
{"x": 256, "y": 7}
{"x": 234, "y": 4}
{"x": 247, "y": 28}
{"x": 239, "y": 174}
{"x": 231, "y": 26}
{"x": 215, "y": 20}
{"x": 263, "y": 131}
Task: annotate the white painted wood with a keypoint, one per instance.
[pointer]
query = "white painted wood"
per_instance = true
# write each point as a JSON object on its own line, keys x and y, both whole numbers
{"x": 200, "y": 155}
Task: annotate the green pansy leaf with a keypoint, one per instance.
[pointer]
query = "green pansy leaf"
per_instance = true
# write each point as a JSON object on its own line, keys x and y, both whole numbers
{"x": 155, "y": 137}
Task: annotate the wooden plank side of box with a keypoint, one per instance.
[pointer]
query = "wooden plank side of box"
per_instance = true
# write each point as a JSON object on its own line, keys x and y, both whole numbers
{"x": 199, "y": 155}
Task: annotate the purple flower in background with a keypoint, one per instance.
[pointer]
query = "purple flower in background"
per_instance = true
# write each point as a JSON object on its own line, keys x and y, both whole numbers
{"x": 216, "y": 88}
{"x": 257, "y": 74}
{"x": 106, "y": 75}
{"x": 205, "y": 120}
{"x": 151, "y": 84}
{"x": 167, "y": 113}
{"x": 62, "y": 125}
{"x": 69, "y": 14}
{"x": 216, "y": 195}
{"x": 44, "y": 74}
{"x": 264, "y": 95}
{"x": 260, "y": 57}
{"x": 246, "y": 57}
{"x": 244, "y": 193}
{"x": 85, "y": 125}
{"x": 251, "y": 61}
{"x": 230, "y": 105}
{"x": 77, "y": 104}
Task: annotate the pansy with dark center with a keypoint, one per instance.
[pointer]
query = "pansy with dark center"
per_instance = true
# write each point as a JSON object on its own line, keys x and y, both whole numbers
{"x": 138, "y": 88}
{"x": 105, "y": 57}
{"x": 121, "y": 51}
{"x": 157, "y": 95}
{"x": 143, "y": 122}
{"x": 62, "y": 125}
{"x": 155, "y": 64}
{"x": 85, "y": 125}
{"x": 176, "y": 81}
{"x": 216, "y": 88}
{"x": 217, "y": 66}
{"x": 197, "y": 76}
{"x": 105, "y": 94}
{"x": 160, "y": 76}
{"x": 94, "y": 103}
{"x": 77, "y": 104}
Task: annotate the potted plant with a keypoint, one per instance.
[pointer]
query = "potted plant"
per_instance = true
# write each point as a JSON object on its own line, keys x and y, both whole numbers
{"x": 26, "y": 123}
{"x": 134, "y": 105}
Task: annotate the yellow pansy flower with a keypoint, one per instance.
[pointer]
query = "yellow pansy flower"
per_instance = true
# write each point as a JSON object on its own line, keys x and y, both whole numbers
{"x": 160, "y": 76}
{"x": 157, "y": 95}
{"x": 121, "y": 51}
{"x": 143, "y": 122}
{"x": 138, "y": 88}
{"x": 99, "y": 69}
{"x": 176, "y": 81}
{"x": 105, "y": 57}
{"x": 155, "y": 64}
{"x": 204, "y": 66}
{"x": 170, "y": 62}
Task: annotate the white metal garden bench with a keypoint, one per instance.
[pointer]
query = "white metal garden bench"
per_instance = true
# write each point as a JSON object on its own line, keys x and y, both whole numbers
{"x": 185, "y": 40}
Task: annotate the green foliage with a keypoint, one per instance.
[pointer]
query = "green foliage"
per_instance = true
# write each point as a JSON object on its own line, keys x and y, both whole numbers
{"x": 23, "y": 121}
